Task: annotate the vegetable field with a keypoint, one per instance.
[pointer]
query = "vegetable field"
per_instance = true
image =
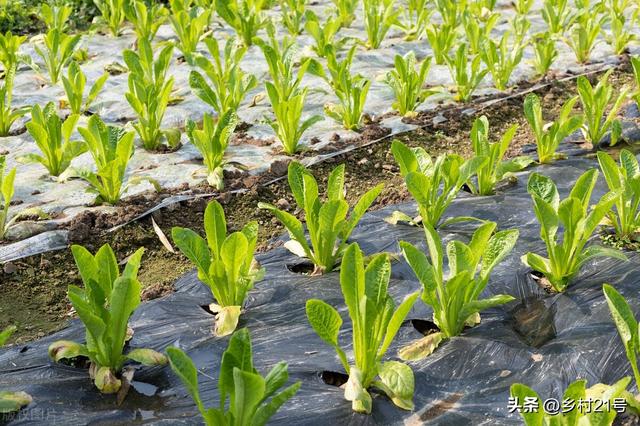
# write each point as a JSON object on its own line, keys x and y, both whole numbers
{"x": 249, "y": 212}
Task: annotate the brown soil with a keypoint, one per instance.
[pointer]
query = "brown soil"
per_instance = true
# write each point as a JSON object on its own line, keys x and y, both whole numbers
{"x": 34, "y": 289}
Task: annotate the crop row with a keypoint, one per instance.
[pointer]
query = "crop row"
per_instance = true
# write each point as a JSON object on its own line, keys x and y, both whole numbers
{"x": 459, "y": 34}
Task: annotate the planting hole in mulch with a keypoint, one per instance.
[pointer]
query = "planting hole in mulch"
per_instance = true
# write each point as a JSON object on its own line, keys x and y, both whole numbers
{"x": 333, "y": 378}
{"x": 424, "y": 327}
{"x": 303, "y": 268}
{"x": 533, "y": 321}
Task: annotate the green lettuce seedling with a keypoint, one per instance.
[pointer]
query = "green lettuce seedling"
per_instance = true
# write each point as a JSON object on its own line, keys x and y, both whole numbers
{"x": 557, "y": 16}
{"x": 544, "y": 48}
{"x": 111, "y": 148}
{"x": 441, "y": 38}
{"x": 523, "y": 6}
{"x": 113, "y": 14}
{"x": 549, "y": 135}
{"x": 189, "y": 23}
{"x": 379, "y": 17}
{"x": 478, "y": 28}
{"x": 351, "y": 89}
{"x": 593, "y": 406}
{"x": 104, "y": 306}
{"x": 407, "y": 83}
{"x": 583, "y": 34}
{"x": 466, "y": 76}
{"x": 595, "y": 103}
{"x": 149, "y": 94}
{"x": 9, "y": 57}
{"x": 327, "y": 222}
{"x": 619, "y": 35}
{"x": 495, "y": 169}
{"x": 293, "y": 12}
{"x": 450, "y": 11}
{"x": 244, "y": 16}
{"x": 502, "y": 58}
{"x": 433, "y": 184}
{"x": 579, "y": 220}
{"x": 53, "y": 138}
{"x": 225, "y": 263}
{"x": 57, "y": 52}
{"x": 375, "y": 321}
{"x": 228, "y": 84}
{"x": 252, "y": 398}
{"x": 323, "y": 34}
{"x": 55, "y": 16}
{"x": 74, "y": 85}
{"x": 146, "y": 20}
{"x": 7, "y": 180}
{"x": 456, "y": 300}
{"x": 11, "y": 401}
{"x": 416, "y": 16}
{"x": 346, "y": 11}
{"x": 212, "y": 141}
{"x": 624, "y": 179}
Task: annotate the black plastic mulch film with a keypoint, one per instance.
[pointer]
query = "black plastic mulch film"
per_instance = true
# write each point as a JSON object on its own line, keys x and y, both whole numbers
{"x": 544, "y": 341}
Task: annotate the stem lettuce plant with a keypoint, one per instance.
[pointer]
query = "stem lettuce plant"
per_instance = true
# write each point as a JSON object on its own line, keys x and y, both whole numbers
{"x": 456, "y": 300}
{"x": 324, "y": 34}
{"x": 327, "y": 222}
{"x": 441, "y": 38}
{"x": 9, "y": 57}
{"x": 53, "y": 138}
{"x": 466, "y": 76}
{"x": 149, "y": 94}
{"x": 111, "y": 148}
{"x": 414, "y": 20}
{"x": 407, "y": 83}
{"x": 244, "y": 16}
{"x": 578, "y": 219}
{"x": 104, "y": 305}
{"x": 619, "y": 35}
{"x": 346, "y": 11}
{"x": 74, "y": 86}
{"x": 146, "y": 20}
{"x": 501, "y": 59}
{"x": 495, "y": 169}
{"x": 433, "y": 184}
{"x": 55, "y": 16}
{"x": 478, "y": 30}
{"x": 545, "y": 53}
{"x": 293, "y": 12}
{"x": 583, "y": 34}
{"x": 57, "y": 52}
{"x": 225, "y": 263}
{"x": 549, "y": 135}
{"x": 376, "y": 321}
{"x": 212, "y": 141}
{"x": 557, "y": 15}
{"x": 11, "y": 401}
{"x": 189, "y": 23}
{"x": 625, "y": 180}
{"x": 227, "y": 83}
{"x": 253, "y": 399}
{"x": 113, "y": 14}
{"x": 379, "y": 17}
{"x": 7, "y": 180}
{"x": 595, "y": 102}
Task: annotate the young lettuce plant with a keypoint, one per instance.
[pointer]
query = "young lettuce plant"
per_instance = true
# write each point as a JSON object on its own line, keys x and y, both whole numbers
{"x": 9, "y": 56}
{"x": 450, "y": 12}
{"x": 252, "y": 398}
{"x": 346, "y": 11}
{"x": 619, "y": 35}
{"x": 111, "y": 148}
{"x": 74, "y": 85}
{"x": 433, "y": 184}
{"x": 379, "y": 17}
{"x": 189, "y": 23}
{"x": 104, "y": 306}
{"x": 583, "y": 34}
{"x": 57, "y": 52}
{"x": 225, "y": 263}
{"x": 635, "y": 65}
{"x": 584, "y": 413}
{"x": 351, "y": 89}
{"x": 323, "y": 34}
{"x": 523, "y": 7}
{"x": 11, "y": 401}
{"x": 545, "y": 53}
{"x": 376, "y": 321}
{"x": 228, "y": 84}
{"x": 113, "y": 14}
{"x": 478, "y": 30}
{"x": 557, "y": 16}
{"x": 415, "y": 18}
{"x": 549, "y": 135}
{"x": 467, "y": 77}
{"x": 501, "y": 59}
{"x": 7, "y": 180}
{"x": 53, "y": 138}
{"x": 441, "y": 38}
{"x": 212, "y": 141}
{"x": 288, "y": 124}
{"x": 494, "y": 169}
{"x": 456, "y": 300}
{"x": 578, "y": 221}
{"x": 623, "y": 179}
{"x": 55, "y": 16}
{"x": 244, "y": 16}
{"x": 327, "y": 222}
{"x": 293, "y": 12}
{"x": 146, "y": 20}
{"x": 149, "y": 94}
{"x": 407, "y": 83}
{"x": 595, "y": 102}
